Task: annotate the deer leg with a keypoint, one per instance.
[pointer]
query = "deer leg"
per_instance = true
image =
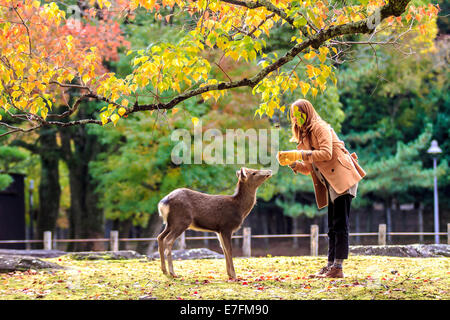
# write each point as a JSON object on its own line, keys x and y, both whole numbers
{"x": 161, "y": 248}
{"x": 225, "y": 242}
{"x": 168, "y": 244}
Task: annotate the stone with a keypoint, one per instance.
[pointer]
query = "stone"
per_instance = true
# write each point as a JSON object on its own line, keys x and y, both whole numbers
{"x": 147, "y": 298}
{"x": 190, "y": 254}
{"x": 11, "y": 263}
{"x": 106, "y": 255}
{"x": 33, "y": 253}
{"x": 412, "y": 250}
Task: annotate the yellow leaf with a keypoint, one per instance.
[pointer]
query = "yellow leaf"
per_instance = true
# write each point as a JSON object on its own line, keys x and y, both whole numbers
{"x": 304, "y": 87}
{"x": 323, "y": 54}
{"x": 174, "y": 110}
{"x": 195, "y": 121}
{"x": 244, "y": 54}
{"x": 104, "y": 118}
{"x": 310, "y": 55}
{"x": 314, "y": 92}
{"x": 85, "y": 78}
{"x": 122, "y": 111}
{"x": 115, "y": 118}
{"x": 16, "y": 94}
{"x": 326, "y": 70}
{"x": 44, "y": 112}
{"x": 310, "y": 71}
{"x": 272, "y": 106}
{"x": 234, "y": 55}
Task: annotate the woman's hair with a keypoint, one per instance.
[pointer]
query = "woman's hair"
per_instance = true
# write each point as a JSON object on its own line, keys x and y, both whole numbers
{"x": 305, "y": 107}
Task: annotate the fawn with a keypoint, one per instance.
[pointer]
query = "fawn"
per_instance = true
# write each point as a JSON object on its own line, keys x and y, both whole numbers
{"x": 184, "y": 209}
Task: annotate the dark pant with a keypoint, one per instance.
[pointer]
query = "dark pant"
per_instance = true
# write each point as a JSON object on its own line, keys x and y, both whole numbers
{"x": 338, "y": 227}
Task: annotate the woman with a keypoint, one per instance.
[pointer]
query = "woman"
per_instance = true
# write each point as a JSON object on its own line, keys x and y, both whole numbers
{"x": 335, "y": 174}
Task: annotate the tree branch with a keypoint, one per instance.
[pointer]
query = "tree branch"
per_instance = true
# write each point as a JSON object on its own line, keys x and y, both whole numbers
{"x": 262, "y": 3}
{"x": 27, "y": 29}
{"x": 368, "y": 25}
{"x": 17, "y": 129}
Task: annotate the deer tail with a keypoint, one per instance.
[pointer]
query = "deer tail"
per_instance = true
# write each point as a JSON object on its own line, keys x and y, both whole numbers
{"x": 163, "y": 209}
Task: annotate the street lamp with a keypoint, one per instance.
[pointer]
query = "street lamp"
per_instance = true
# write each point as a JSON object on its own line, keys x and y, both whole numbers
{"x": 434, "y": 150}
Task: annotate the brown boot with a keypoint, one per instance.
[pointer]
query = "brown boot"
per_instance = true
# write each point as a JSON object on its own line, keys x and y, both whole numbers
{"x": 333, "y": 272}
{"x": 321, "y": 273}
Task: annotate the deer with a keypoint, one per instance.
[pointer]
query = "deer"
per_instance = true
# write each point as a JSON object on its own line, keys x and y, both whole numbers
{"x": 184, "y": 209}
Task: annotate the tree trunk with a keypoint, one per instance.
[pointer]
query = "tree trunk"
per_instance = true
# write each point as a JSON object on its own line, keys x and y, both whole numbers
{"x": 124, "y": 228}
{"x": 369, "y": 219}
{"x": 152, "y": 230}
{"x": 295, "y": 231}
{"x": 388, "y": 218}
{"x": 357, "y": 227}
{"x": 265, "y": 223}
{"x": 85, "y": 217}
{"x": 49, "y": 187}
{"x": 420, "y": 221}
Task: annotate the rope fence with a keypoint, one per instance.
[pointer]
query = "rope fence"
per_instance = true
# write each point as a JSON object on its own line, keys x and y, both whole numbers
{"x": 48, "y": 242}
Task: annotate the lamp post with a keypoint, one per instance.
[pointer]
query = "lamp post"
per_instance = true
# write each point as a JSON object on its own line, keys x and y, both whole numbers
{"x": 434, "y": 150}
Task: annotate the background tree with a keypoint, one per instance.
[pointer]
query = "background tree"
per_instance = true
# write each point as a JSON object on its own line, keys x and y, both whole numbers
{"x": 392, "y": 106}
{"x": 180, "y": 70}
{"x": 185, "y": 58}
{"x": 12, "y": 160}
{"x": 54, "y": 144}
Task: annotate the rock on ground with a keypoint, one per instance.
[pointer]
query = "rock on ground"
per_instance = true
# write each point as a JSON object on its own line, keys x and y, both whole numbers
{"x": 33, "y": 253}
{"x": 189, "y": 254}
{"x": 106, "y": 255}
{"x": 11, "y": 263}
{"x": 412, "y": 250}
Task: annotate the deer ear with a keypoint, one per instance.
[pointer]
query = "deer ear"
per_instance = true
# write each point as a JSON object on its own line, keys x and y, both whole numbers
{"x": 243, "y": 174}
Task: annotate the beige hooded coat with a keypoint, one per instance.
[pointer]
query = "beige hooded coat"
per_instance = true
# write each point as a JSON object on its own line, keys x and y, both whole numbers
{"x": 322, "y": 147}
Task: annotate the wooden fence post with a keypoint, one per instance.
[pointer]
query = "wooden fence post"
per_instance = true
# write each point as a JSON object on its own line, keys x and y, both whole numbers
{"x": 114, "y": 240}
{"x": 182, "y": 241}
{"x": 448, "y": 233}
{"x": 206, "y": 241}
{"x": 382, "y": 234}
{"x": 314, "y": 240}
{"x": 47, "y": 240}
{"x": 247, "y": 242}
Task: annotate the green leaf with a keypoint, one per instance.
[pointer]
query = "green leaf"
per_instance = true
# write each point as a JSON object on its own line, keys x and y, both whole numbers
{"x": 300, "y": 22}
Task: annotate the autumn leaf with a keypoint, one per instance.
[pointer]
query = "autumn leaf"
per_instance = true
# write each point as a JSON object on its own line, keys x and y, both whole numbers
{"x": 304, "y": 87}
{"x": 122, "y": 111}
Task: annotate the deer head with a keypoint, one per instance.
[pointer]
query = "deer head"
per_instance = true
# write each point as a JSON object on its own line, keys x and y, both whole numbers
{"x": 253, "y": 177}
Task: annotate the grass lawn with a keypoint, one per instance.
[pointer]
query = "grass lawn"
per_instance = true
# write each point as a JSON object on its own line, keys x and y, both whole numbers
{"x": 366, "y": 277}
